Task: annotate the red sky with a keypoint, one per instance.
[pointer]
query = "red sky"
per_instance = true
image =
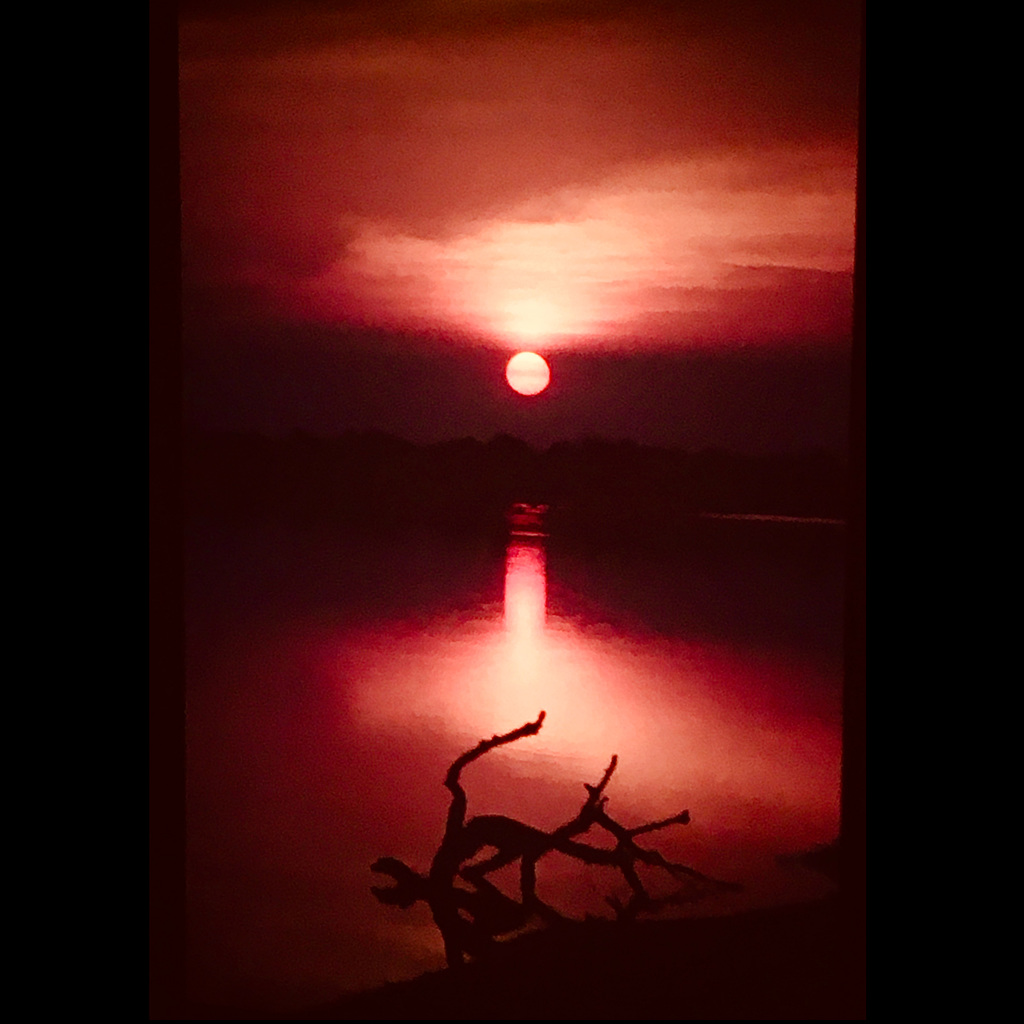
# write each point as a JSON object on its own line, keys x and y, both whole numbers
{"x": 552, "y": 175}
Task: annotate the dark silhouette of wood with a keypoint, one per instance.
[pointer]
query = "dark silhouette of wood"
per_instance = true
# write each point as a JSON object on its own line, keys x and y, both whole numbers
{"x": 470, "y": 919}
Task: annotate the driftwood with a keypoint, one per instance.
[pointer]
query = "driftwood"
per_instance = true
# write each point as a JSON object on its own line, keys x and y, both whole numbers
{"x": 471, "y": 915}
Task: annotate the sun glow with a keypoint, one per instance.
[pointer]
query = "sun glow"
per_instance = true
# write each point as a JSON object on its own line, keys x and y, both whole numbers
{"x": 531, "y": 318}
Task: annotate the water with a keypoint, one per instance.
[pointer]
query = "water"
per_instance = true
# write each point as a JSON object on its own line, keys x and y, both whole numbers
{"x": 332, "y": 680}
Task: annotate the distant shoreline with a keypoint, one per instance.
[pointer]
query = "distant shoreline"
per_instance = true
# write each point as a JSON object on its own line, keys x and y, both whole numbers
{"x": 762, "y": 518}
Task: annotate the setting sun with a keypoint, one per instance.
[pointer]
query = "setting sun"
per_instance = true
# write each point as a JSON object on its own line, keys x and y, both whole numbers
{"x": 527, "y": 373}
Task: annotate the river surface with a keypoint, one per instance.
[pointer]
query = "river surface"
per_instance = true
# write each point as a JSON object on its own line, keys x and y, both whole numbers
{"x": 332, "y": 680}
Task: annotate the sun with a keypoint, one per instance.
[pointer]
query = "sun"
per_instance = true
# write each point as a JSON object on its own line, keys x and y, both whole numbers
{"x": 527, "y": 373}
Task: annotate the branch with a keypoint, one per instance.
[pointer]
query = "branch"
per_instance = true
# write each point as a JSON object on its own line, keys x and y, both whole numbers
{"x": 591, "y": 808}
{"x": 451, "y": 780}
{"x": 470, "y": 919}
{"x": 452, "y": 851}
{"x": 409, "y": 886}
{"x": 628, "y": 853}
{"x": 596, "y": 791}
{"x": 682, "y": 818}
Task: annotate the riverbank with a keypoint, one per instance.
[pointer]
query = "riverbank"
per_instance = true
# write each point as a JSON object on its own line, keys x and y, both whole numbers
{"x": 800, "y": 962}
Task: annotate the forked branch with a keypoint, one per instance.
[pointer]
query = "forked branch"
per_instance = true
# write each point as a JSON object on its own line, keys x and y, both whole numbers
{"x": 471, "y": 919}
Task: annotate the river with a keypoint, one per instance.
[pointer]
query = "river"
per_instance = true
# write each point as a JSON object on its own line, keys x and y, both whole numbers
{"x": 332, "y": 679}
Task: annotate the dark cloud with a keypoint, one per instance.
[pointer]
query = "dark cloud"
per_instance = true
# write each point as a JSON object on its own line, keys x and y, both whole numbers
{"x": 277, "y": 154}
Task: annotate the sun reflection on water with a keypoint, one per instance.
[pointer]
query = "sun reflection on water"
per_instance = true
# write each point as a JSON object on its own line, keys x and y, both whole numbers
{"x": 525, "y": 607}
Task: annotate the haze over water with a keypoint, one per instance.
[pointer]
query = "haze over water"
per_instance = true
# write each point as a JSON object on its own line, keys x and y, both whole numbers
{"x": 331, "y": 683}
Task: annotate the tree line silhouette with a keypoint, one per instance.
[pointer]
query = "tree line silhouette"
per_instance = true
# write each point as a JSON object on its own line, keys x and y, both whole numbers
{"x": 378, "y": 480}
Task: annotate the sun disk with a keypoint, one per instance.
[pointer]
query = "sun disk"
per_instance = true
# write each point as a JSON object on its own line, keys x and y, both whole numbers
{"x": 527, "y": 373}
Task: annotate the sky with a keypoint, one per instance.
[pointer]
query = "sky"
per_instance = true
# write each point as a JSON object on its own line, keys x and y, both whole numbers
{"x": 382, "y": 203}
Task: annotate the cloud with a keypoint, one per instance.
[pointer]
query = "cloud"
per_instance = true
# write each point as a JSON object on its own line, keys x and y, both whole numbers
{"x": 668, "y": 247}
{"x": 462, "y": 161}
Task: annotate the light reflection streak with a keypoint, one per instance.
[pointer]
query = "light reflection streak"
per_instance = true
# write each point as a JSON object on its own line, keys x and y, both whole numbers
{"x": 525, "y": 607}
